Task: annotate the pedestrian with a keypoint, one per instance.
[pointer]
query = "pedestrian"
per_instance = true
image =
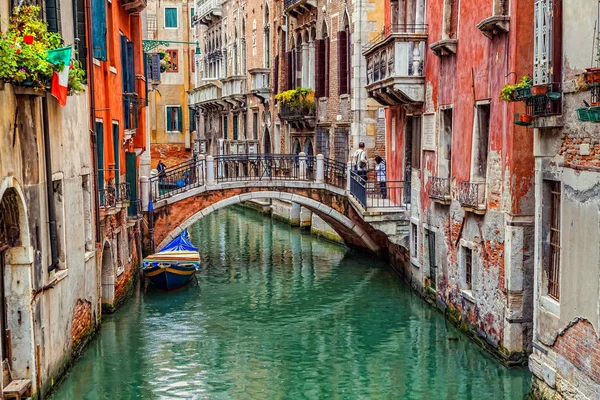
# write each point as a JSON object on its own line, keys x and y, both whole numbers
{"x": 380, "y": 174}
{"x": 160, "y": 167}
{"x": 360, "y": 161}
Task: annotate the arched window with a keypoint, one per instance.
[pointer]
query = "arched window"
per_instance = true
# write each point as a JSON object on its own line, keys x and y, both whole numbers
{"x": 322, "y": 63}
{"x": 298, "y": 61}
{"x": 267, "y": 37}
{"x": 344, "y": 58}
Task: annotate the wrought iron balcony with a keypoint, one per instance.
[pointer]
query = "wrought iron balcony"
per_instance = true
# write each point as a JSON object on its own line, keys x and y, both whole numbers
{"x": 440, "y": 190}
{"x": 206, "y": 96}
{"x": 472, "y": 195}
{"x": 209, "y": 11}
{"x": 124, "y": 194}
{"x": 395, "y": 60}
{"x": 108, "y": 197}
{"x": 546, "y": 109}
{"x": 234, "y": 90}
{"x": 299, "y": 117}
{"x": 261, "y": 83}
{"x": 131, "y": 103}
{"x": 298, "y": 7}
{"x": 134, "y": 6}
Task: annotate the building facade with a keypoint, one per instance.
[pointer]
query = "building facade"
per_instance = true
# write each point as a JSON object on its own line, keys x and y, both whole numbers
{"x": 172, "y": 127}
{"x": 119, "y": 108}
{"x": 467, "y": 170}
{"x": 566, "y": 351}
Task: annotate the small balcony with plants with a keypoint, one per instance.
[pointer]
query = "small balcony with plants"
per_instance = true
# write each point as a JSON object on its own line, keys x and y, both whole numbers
{"x": 395, "y": 60}
{"x": 543, "y": 103}
{"x": 591, "y": 77}
{"x": 297, "y": 107}
{"x": 30, "y": 56}
{"x": 439, "y": 190}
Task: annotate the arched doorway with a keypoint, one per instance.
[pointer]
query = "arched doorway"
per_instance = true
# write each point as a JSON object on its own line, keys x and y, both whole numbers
{"x": 308, "y": 148}
{"x": 108, "y": 275}
{"x": 296, "y": 149}
{"x": 267, "y": 142}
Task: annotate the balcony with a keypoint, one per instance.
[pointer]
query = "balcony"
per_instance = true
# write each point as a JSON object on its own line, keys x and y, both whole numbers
{"x": 298, "y": 7}
{"x": 546, "y": 109}
{"x": 395, "y": 60}
{"x": 234, "y": 90}
{"x": 131, "y": 104}
{"x": 439, "y": 191}
{"x": 298, "y": 117}
{"x": 134, "y": 6}
{"x": 261, "y": 83}
{"x": 209, "y": 12}
{"x": 471, "y": 196}
{"x": 206, "y": 96}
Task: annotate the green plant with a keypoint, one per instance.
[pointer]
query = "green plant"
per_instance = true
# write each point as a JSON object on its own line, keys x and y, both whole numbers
{"x": 298, "y": 99}
{"x": 165, "y": 60}
{"x": 508, "y": 91}
{"x": 23, "y": 52}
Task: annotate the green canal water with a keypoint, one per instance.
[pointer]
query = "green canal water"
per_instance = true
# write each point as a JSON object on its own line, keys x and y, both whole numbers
{"x": 278, "y": 314}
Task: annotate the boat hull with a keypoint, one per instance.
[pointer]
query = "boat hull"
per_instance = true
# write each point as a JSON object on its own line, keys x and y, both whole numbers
{"x": 167, "y": 276}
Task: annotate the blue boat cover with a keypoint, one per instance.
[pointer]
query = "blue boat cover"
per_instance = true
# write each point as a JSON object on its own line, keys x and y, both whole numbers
{"x": 180, "y": 243}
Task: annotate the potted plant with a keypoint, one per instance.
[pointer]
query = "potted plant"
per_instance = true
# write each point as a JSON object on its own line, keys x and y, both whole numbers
{"x": 301, "y": 100}
{"x": 592, "y": 75}
{"x": 165, "y": 60}
{"x": 517, "y": 92}
{"x": 539, "y": 90}
{"x": 523, "y": 119}
{"x": 24, "y": 53}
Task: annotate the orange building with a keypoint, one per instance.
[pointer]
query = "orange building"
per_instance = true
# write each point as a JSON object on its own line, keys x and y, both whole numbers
{"x": 118, "y": 104}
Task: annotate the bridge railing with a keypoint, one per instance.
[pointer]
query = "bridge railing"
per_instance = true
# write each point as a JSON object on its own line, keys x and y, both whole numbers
{"x": 358, "y": 188}
{"x": 178, "y": 179}
{"x": 372, "y": 194}
{"x": 264, "y": 167}
{"x": 335, "y": 173}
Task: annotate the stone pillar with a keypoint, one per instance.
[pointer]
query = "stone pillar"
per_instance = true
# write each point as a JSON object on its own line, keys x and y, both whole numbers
{"x": 302, "y": 166}
{"x": 348, "y": 174}
{"x": 305, "y": 218}
{"x": 320, "y": 168}
{"x": 210, "y": 170}
{"x": 145, "y": 189}
{"x": 295, "y": 214}
{"x": 200, "y": 176}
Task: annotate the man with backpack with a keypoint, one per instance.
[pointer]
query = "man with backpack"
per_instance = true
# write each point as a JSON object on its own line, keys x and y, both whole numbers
{"x": 360, "y": 161}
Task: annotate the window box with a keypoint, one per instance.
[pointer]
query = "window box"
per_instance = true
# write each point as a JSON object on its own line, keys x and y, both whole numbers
{"x": 539, "y": 90}
{"x": 589, "y": 114}
{"x": 523, "y": 119}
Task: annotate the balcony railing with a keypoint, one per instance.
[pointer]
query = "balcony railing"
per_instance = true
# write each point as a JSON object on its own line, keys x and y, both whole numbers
{"x": 291, "y": 113}
{"x": 548, "y": 104}
{"x": 108, "y": 197}
{"x": 298, "y": 6}
{"x": 234, "y": 86}
{"x": 440, "y": 188}
{"x": 396, "y": 29}
{"x": 131, "y": 104}
{"x": 373, "y": 194}
{"x": 261, "y": 82}
{"x": 472, "y": 195}
{"x": 207, "y": 9}
{"x": 207, "y": 93}
{"x": 124, "y": 194}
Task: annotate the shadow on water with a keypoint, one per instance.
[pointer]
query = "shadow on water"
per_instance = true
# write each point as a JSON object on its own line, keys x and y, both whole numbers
{"x": 277, "y": 314}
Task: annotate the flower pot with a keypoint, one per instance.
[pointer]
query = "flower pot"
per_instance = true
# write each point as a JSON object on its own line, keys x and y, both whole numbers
{"x": 592, "y": 76}
{"x": 539, "y": 90}
{"x": 526, "y": 118}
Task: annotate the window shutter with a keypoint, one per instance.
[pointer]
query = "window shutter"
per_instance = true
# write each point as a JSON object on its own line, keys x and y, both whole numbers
{"x": 192, "y": 119}
{"x": 288, "y": 72}
{"x": 276, "y": 75}
{"x": 342, "y": 63}
{"x": 80, "y": 32}
{"x": 124, "y": 70}
{"x": 99, "y": 29}
{"x": 318, "y": 71}
{"x": 130, "y": 67}
{"x": 349, "y": 62}
{"x": 326, "y": 73}
{"x": 155, "y": 67}
{"x": 169, "y": 118}
{"x": 53, "y": 15}
{"x": 179, "y": 120}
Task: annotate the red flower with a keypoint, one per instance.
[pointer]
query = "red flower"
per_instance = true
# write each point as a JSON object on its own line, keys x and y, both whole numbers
{"x": 28, "y": 39}
{"x": 18, "y": 51}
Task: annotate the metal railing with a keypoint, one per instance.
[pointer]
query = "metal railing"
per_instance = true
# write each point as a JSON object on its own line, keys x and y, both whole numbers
{"x": 440, "y": 188}
{"x": 388, "y": 194}
{"x": 287, "y": 112}
{"x": 108, "y": 197}
{"x": 177, "y": 179}
{"x": 472, "y": 194}
{"x": 124, "y": 193}
{"x": 358, "y": 188}
{"x": 395, "y": 29}
{"x": 546, "y": 105}
{"x": 335, "y": 173}
{"x": 264, "y": 167}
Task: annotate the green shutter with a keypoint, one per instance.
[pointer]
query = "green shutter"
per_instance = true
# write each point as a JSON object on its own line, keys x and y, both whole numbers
{"x": 116, "y": 151}
{"x": 169, "y": 118}
{"x": 53, "y": 15}
{"x": 235, "y": 127}
{"x": 179, "y": 120}
{"x": 192, "y": 119}
{"x": 225, "y": 128}
{"x": 132, "y": 178}
{"x": 170, "y": 18}
{"x": 99, "y": 29}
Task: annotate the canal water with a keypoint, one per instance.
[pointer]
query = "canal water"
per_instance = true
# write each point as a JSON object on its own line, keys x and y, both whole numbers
{"x": 278, "y": 314}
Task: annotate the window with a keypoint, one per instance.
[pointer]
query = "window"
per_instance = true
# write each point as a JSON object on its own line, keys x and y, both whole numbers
{"x": 192, "y": 61}
{"x": 171, "y": 17}
{"x": 322, "y": 141}
{"x": 554, "y": 250}
{"x": 254, "y": 125}
{"x": 430, "y": 241}
{"x": 468, "y": 261}
{"x": 480, "y": 141}
{"x": 322, "y": 63}
{"x": 340, "y": 144}
{"x": 127, "y": 65}
{"x": 59, "y": 207}
{"x": 414, "y": 249}
{"x": 192, "y": 11}
{"x": 98, "y": 28}
{"x": 192, "y": 119}
{"x": 173, "y": 54}
{"x": 450, "y": 21}
{"x": 235, "y": 127}
{"x": 414, "y": 126}
{"x": 445, "y": 148}
{"x": 267, "y": 44}
{"x": 225, "y": 127}
{"x": 344, "y": 58}
{"x": 174, "y": 119}
{"x": 80, "y": 33}
{"x": 53, "y": 15}
{"x": 547, "y": 42}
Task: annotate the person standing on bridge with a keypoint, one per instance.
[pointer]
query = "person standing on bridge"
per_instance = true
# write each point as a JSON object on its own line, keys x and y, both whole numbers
{"x": 380, "y": 175}
{"x": 160, "y": 167}
{"x": 360, "y": 161}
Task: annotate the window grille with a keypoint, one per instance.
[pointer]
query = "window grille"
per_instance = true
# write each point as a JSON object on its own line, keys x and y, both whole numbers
{"x": 542, "y": 45}
{"x": 554, "y": 267}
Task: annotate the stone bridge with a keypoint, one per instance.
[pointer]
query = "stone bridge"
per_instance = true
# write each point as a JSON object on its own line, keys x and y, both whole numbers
{"x": 364, "y": 214}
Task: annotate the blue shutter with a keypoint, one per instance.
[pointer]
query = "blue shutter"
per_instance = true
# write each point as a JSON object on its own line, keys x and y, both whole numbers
{"x": 170, "y": 18}
{"x": 99, "y": 29}
{"x": 100, "y": 161}
{"x": 192, "y": 120}
{"x": 169, "y": 118}
{"x": 156, "y": 67}
{"x": 124, "y": 71}
{"x": 179, "y": 120}
{"x": 130, "y": 68}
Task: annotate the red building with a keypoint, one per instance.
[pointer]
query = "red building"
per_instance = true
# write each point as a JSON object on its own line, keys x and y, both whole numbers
{"x": 439, "y": 67}
{"x": 119, "y": 100}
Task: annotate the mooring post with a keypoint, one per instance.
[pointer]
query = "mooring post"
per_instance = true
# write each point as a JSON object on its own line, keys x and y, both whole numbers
{"x": 320, "y": 168}
{"x": 210, "y": 170}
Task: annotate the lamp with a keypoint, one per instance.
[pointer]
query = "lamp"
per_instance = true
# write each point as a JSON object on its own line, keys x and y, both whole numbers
{"x": 197, "y": 48}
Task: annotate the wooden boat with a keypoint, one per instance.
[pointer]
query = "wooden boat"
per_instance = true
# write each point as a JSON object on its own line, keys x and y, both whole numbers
{"x": 175, "y": 265}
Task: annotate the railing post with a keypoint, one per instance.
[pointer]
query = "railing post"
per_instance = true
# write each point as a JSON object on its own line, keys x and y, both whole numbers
{"x": 302, "y": 160}
{"x": 200, "y": 163}
{"x": 348, "y": 175}
{"x": 320, "y": 178}
{"x": 145, "y": 189}
{"x": 210, "y": 170}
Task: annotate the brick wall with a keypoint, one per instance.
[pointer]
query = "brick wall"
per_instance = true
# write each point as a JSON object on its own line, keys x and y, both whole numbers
{"x": 82, "y": 322}
{"x": 580, "y": 345}
{"x": 170, "y": 154}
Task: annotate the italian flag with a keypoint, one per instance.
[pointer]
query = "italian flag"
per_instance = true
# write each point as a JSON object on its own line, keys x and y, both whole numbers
{"x": 61, "y": 58}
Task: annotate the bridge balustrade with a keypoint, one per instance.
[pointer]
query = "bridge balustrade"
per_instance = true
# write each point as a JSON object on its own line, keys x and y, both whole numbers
{"x": 177, "y": 179}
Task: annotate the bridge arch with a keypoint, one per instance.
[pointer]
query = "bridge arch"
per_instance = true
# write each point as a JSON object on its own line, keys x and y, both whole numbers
{"x": 351, "y": 232}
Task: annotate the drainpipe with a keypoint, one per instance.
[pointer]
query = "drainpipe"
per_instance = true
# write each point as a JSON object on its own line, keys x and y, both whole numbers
{"x": 88, "y": 13}
{"x": 49, "y": 187}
